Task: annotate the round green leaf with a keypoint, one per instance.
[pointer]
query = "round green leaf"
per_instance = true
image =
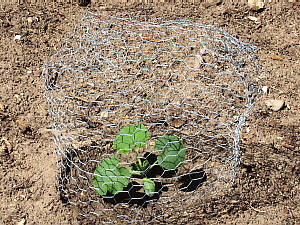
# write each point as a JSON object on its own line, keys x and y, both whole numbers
{"x": 108, "y": 163}
{"x": 141, "y": 135}
{"x": 124, "y": 144}
{"x": 109, "y": 177}
{"x": 173, "y": 152}
{"x": 125, "y": 171}
{"x": 149, "y": 187}
{"x": 101, "y": 188}
{"x": 128, "y": 129}
{"x": 122, "y": 181}
{"x": 130, "y": 137}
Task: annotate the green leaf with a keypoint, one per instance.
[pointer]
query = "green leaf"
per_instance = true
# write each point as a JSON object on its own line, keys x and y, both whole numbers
{"x": 101, "y": 188}
{"x": 130, "y": 137}
{"x": 149, "y": 187}
{"x": 141, "y": 135}
{"x": 121, "y": 181}
{"x": 173, "y": 152}
{"x": 110, "y": 177}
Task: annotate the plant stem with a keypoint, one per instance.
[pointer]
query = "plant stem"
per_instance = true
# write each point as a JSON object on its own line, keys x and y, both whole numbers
{"x": 136, "y": 173}
{"x": 150, "y": 167}
{"x": 138, "y": 157}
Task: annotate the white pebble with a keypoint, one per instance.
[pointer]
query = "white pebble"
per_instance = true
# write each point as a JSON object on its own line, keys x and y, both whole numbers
{"x": 21, "y": 222}
{"x": 275, "y": 104}
{"x": 17, "y": 37}
{"x": 29, "y": 19}
{"x": 253, "y": 18}
{"x": 265, "y": 89}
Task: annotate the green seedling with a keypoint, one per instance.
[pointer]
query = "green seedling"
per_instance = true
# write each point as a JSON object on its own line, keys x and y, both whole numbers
{"x": 111, "y": 178}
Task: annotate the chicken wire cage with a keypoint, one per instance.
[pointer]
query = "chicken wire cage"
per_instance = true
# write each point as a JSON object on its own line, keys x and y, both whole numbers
{"x": 172, "y": 95}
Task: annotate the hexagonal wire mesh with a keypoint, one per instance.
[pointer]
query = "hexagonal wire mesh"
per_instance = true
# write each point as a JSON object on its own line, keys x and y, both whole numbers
{"x": 178, "y": 78}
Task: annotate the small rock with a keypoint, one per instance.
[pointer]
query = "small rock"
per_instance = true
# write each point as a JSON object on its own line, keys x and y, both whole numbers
{"x": 44, "y": 130}
{"x": 275, "y": 57}
{"x": 5, "y": 146}
{"x": 287, "y": 145}
{"x": 17, "y": 37}
{"x": 1, "y": 106}
{"x": 91, "y": 84}
{"x": 23, "y": 196}
{"x": 84, "y": 2}
{"x": 280, "y": 138}
{"x": 104, "y": 114}
{"x": 209, "y": 3}
{"x": 22, "y": 222}
{"x": 253, "y": 18}
{"x": 29, "y": 19}
{"x": 23, "y": 125}
{"x": 256, "y": 4}
{"x": 275, "y": 104}
{"x": 265, "y": 89}
{"x": 177, "y": 123}
{"x": 234, "y": 201}
{"x": 225, "y": 216}
{"x": 17, "y": 98}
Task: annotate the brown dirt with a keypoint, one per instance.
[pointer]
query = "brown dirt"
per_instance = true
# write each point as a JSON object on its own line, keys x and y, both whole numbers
{"x": 267, "y": 185}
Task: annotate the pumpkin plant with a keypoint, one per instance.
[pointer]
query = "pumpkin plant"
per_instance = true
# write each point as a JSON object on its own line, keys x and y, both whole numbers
{"x": 111, "y": 178}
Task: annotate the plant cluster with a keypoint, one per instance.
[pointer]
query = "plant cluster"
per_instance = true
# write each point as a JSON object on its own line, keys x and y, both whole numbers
{"x": 111, "y": 178}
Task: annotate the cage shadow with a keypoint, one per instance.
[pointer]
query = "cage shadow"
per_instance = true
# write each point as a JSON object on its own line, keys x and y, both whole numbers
{"x": 157, "y": 170}
{"x": 64, "y": 175}
{"x": 131, "y": 195}
{"x": 193, "y": 180}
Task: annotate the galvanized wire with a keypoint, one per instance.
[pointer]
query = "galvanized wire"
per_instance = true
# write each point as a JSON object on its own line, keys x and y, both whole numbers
{"x": 178, "y": 78}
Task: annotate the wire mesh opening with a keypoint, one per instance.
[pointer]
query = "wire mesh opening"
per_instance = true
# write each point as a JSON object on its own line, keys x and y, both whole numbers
{"x": 178, "y": 79}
